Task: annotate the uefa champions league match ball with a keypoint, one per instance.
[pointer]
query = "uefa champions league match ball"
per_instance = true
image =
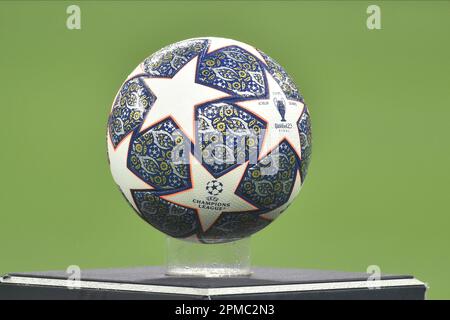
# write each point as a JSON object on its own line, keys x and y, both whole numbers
{"x": 209, "y": 140}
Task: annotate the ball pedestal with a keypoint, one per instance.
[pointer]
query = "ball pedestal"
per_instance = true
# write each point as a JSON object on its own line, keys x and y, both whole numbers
{"x": 264, "y": 283}
{"x": 208, "y": 272}
{"x": 190, "y": 259}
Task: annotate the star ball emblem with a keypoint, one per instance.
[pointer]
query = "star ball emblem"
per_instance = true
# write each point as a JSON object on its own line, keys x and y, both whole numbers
{"x": 214, "y": 187}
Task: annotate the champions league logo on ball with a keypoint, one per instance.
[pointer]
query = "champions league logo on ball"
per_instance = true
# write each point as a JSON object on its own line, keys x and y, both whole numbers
{"x": 209, "y": 140}
{"x": 214, "y": 187}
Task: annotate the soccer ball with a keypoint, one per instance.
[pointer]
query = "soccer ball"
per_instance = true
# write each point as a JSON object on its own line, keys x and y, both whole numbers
{"x": 209, "y": 140}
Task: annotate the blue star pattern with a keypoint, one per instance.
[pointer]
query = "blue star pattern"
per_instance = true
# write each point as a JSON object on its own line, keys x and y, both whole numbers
{"x": 172, "y": 219}
{"x": 167, "y": 61}
{"x": 227, "y": 136}
{"x": 282, "y": 78}
{"x": 233, "y": 70}
{"x": 130, "y": 106}
{"x": 304, "y": 127}
{"x": 160, "y": 156}
{"x": 268, "y": 184}
{"x": 234, "y": 226}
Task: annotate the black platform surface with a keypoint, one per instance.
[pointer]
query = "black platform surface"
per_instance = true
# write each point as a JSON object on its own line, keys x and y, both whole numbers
{"x": 264, "y": 283}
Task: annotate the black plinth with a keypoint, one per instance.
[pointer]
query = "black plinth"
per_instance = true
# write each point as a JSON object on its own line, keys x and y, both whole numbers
{"x": 151, "y": 283}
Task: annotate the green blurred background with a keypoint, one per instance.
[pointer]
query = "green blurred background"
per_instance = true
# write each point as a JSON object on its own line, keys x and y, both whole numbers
{"x": 377, "y": 190}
